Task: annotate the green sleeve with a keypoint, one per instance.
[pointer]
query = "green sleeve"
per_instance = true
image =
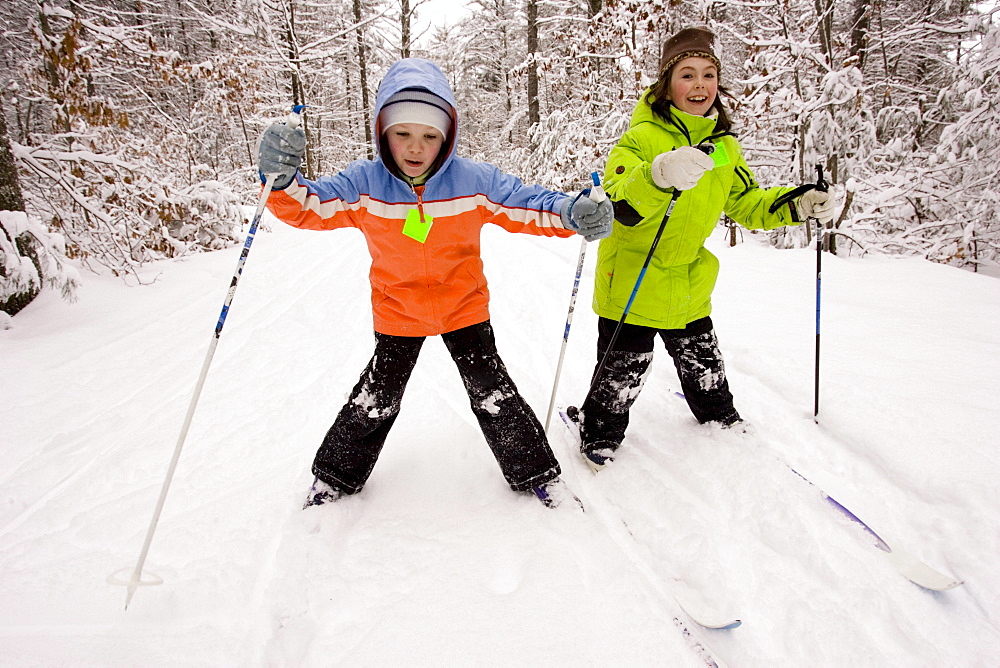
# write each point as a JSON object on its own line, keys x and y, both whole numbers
{"x": 627, "y": 176}
{"x": 748, "y": 203}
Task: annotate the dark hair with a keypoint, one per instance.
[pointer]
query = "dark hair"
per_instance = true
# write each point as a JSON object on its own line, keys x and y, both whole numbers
{"x": 658, "y": 99}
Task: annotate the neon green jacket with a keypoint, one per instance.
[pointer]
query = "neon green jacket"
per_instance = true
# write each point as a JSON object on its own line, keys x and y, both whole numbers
{"x": 677, "y": 287}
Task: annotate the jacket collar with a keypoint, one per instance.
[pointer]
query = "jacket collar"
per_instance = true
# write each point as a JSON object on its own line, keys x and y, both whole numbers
{"x": 691, "y": 128}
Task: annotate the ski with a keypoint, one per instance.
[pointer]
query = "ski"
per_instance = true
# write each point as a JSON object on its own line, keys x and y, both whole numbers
{"x": 687, "y": 598}
{"x": 698, "y": 647}
{"x": 906, "y": 564}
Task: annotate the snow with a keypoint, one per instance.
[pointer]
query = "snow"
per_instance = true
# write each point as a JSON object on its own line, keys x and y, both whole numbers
{"x": 436, "y": 561}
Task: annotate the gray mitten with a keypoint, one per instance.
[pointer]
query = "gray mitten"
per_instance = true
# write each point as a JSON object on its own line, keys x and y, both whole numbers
{"x": 587, "y": 217}
{"x": 280, "y": 153}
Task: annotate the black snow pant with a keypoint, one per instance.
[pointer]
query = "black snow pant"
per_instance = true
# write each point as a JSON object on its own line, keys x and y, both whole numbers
{"x": 352, "y": 445}
{"x": 697, "y": 358}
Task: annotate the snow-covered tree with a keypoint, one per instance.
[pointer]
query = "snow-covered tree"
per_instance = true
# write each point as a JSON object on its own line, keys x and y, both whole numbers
{"x": 116, "y": 130}
{"x": 31, "y": 258}
{"x": 30, "y": 255}
{"x": 963, "y": 167}
{"x": 136, "y": 123}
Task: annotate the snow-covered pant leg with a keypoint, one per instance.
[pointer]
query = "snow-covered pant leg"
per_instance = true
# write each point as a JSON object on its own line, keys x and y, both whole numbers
{"x": 698, "y": 360}
{"x": 511, "y": 428}
{"x": 352, "y": 445}
{"x": 606, "y": 412}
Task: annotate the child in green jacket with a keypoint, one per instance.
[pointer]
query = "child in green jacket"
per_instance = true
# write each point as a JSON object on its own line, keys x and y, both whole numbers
{"x": 653, "y": 161}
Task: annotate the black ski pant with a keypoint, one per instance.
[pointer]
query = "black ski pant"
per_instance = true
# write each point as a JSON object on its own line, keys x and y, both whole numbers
{"x": 352, "y": 445}
{"x": 697, "y": 358}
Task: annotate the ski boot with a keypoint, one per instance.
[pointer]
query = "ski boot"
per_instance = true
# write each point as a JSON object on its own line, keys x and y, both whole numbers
{"x": 321, "y": 493}
{"x": 596, "y": 458}
{"x": 555, "y": 493}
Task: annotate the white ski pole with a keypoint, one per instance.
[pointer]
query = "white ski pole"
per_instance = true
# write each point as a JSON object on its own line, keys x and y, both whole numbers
{"x": 596, "y": 194}
{"x": 135, "y": 580}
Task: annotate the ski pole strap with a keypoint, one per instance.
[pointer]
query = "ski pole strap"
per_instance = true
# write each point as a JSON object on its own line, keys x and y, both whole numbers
{"x": 820, "y": 185}
{"x": 790, "y": 195}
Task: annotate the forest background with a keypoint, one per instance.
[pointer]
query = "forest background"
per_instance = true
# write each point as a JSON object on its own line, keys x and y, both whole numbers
{"x": 130, "y": 125}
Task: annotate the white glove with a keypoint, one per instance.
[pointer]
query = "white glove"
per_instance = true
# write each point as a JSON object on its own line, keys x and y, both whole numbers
{"x": 681, "y": 168}
{"x": 817, "y": 204}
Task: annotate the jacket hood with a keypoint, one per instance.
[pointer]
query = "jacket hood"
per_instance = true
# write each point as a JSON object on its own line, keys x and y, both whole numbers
{"x": 420, "y": 74}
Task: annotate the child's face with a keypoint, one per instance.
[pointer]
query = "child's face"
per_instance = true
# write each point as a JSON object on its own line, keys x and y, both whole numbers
{"x": 694, "y": 83}
{"x": 414, "y": 147}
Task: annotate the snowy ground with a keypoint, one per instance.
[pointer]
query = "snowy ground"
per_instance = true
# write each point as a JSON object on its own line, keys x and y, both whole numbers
{"x": 436, "y": 562}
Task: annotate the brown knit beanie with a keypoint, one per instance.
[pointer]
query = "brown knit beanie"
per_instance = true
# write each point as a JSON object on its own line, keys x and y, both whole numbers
{"x": 687, "y": 43}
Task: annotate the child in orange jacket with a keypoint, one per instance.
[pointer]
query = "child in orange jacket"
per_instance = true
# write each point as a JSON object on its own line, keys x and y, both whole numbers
{"x": 421, "y": 209}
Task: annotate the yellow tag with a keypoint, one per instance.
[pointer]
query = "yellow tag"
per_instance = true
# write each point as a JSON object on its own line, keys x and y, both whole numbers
{"x": 415, "y": 228}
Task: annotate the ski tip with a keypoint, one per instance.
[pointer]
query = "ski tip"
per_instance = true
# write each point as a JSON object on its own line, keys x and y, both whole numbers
{"x": 941, "y": 583}
{"x": 703, "y": 614}
{"x": 718, "y": 625}
{"x": 920, "y": 574}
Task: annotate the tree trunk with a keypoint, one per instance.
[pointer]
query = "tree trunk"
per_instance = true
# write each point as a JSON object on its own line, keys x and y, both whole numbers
{"x": 534, "y": 116}
{"x": 298, "y": 89}
{"x": 834, "y": 167}
{"x": 824, "y": 26}
{"x": 859, "y": 32}
{"x": 11, "y": 199}
{"x": 404, "y": 28}
{"x": 10, "y": 187}
{"x": 363, "y": 75}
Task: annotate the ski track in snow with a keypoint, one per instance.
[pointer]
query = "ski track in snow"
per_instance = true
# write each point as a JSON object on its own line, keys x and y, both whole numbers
{"x": 436, "y": 562}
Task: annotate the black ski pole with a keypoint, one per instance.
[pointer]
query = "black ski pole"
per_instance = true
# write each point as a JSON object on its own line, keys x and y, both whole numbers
{"x": 822, "y": 186}
{"x": 628, "y": 305}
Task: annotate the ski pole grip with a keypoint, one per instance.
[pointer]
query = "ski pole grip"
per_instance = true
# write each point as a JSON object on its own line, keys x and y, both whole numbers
{"x": 294, "y": 119}
{"x": 821, "y": 184}
{"x": 597, "y": 193}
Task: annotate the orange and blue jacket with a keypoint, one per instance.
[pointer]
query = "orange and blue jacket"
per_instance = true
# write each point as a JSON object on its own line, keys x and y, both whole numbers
{"x": 426, "y": 273}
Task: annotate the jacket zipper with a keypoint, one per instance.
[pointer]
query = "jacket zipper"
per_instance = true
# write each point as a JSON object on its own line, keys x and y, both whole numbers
{"x": 427, "y": 277}
{"x": 420, "y": 205}
{"x": 420, "y": 199}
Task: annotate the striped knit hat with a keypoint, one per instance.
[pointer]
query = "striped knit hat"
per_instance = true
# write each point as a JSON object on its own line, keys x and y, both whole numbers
{"x": 416, "y": 106}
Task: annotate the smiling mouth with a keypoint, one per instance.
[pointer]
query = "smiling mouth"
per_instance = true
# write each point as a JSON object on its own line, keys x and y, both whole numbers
{"x": 700, "y": 99}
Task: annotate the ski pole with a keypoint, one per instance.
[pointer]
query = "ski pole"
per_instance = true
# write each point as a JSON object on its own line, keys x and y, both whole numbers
{"x": 708, "y": 149}
{"x": 822, "y": 186}
{"x": 596, "y": 194}
{"x": 135, "y": 580}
